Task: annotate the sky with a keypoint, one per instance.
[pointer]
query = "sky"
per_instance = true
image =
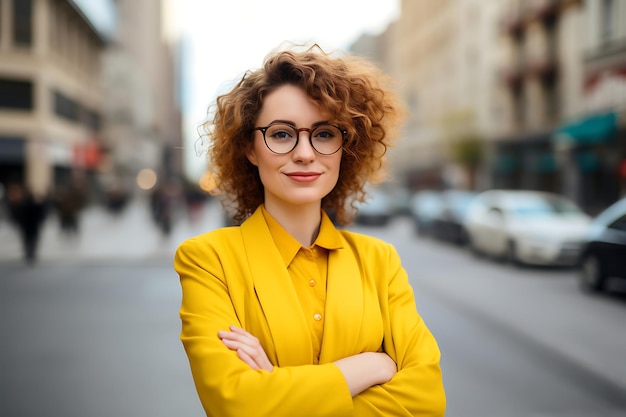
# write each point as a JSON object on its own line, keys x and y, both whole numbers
{"x": 223, "y": 39}
{"x": 101, "y": 14}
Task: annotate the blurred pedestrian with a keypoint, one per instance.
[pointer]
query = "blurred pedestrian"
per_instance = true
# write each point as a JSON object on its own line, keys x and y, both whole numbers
{"x": 196, "y": 200}
{"x": 286, "y": 315}
{"x": 69, "y": 202}
{"x": 28, "y": 213}
{"x": 162, "y": 203}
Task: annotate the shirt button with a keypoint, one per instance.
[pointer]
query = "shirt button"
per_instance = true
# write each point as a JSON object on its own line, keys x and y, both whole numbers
{"x": 317, "y": 317}
{"x": 312, "y": 283}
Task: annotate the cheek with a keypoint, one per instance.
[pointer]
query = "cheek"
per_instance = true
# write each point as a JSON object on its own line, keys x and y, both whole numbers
{"x": 337, "y": 162}
{"x": 268, "y": 166}
{"x": 253, "y": 153}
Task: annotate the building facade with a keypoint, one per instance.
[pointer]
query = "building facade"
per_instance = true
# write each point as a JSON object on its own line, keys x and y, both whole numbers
{"x": 540, "y": 86}
{"x": 143, "y": 122}
{"x": 89, "y": 94}
{"x": 441, "y": 56}
{"x": 51, "y": 96}
{"x": 522, "y": 94}
{"x": 591, "y": 142}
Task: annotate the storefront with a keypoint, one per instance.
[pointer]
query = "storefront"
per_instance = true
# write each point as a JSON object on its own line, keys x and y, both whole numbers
{"x": 12, "y": 157}
{"x": 525, "y": 162}
{"x": 590, "y": 151}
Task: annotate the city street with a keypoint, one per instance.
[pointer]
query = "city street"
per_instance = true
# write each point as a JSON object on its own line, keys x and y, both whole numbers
{"x": 516, "y": 341}
{"x": 92, "y": 329}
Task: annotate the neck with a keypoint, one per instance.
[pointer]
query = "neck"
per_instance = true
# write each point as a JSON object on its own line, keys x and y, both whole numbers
{"x": 301, "y": 222}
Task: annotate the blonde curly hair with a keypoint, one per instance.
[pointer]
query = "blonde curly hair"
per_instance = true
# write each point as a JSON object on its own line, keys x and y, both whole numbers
{"x": 355, "y": 92}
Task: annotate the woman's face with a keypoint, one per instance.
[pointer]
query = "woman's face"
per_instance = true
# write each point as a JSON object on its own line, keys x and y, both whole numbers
{"x": 302, "y": 176}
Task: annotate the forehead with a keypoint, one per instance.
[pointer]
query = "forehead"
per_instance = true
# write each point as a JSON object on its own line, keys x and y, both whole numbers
{"x": 289, "y": 102}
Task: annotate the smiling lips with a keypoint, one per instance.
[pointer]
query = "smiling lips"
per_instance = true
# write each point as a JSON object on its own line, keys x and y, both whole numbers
{"x": 304, "y": 176}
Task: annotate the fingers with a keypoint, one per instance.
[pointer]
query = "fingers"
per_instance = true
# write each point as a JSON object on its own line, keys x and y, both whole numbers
{"x": 247, "y": 346}
{"x": 242, "y": 332}
{"x": 247, "y": 359}
{"x": 239, "y": 336}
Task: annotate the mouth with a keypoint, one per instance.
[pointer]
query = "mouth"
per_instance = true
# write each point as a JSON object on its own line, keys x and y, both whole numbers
{"x": 304, "y": 176}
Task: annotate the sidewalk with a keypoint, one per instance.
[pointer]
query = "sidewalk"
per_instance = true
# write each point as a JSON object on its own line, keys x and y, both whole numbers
{"x": 131, "y": 235}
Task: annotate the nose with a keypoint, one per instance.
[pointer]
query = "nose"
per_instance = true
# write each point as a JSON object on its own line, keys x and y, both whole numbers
{"x": 303, "y": 151}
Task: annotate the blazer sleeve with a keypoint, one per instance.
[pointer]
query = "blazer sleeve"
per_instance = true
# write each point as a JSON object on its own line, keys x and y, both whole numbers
{"x": 417, "y": 389}
{"x": 225, "y": 384}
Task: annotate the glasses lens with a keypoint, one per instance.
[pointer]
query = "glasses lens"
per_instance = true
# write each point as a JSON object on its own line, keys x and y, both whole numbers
{"x": 326, "y": 139}
{"x": 281, "y": 138}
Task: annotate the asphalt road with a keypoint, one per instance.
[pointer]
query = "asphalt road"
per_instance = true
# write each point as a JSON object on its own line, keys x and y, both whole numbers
{"x": 92, "y": 340}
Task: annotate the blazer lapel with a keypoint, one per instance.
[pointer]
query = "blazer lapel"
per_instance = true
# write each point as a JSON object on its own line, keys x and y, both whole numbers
{"x": 278, "y": 298}
{"x": 344, "y": 305}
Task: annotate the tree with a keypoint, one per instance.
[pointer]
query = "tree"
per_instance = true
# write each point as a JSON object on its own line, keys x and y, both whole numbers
{"x": 465, "y": 145}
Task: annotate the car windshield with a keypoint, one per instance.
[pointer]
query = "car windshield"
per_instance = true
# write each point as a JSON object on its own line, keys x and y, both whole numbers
{"x": 460, "y": 202}
{"x": 534, "y": 206}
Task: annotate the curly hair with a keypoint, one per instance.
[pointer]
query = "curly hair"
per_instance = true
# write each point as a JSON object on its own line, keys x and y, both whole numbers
{"x": 355, "y": 92}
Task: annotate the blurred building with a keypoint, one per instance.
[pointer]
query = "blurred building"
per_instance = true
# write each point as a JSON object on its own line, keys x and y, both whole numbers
{"x": 88, "y": 92}
{"x": 540, "y": 77}
{"x": 590, "y": 142}
{"x": 143, "y": 118}
{"x": 526, "y": 94}
{"x": 51, "y": 95}
{"x": 441, "y": 56}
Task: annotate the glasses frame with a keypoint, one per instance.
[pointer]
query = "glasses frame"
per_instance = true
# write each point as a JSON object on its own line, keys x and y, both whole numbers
{"x": 263, "y": 129}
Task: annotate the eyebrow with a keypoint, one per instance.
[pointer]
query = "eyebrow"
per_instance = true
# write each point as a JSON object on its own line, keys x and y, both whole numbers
{"x": 289, "y": 122}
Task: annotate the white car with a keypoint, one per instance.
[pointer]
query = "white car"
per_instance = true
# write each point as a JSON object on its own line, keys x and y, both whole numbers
{"x": 376, "y": 210}
{"x": 527, "y": 227}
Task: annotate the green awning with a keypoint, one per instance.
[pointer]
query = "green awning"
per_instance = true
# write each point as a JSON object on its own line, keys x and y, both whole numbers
{"x": 598, "y": 128}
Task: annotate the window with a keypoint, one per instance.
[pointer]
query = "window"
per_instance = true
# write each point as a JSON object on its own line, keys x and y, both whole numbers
{"x": 551, "y": 97}
{"x": 519, "y": 106}
{"x": 15, "y": 94}
{"x": 92, "y": 120}
{"x": 607, "y": 25}
{"x": 71, "y": 110}
{"x": 23, "y": 22}
{"x": 65, "y": 107}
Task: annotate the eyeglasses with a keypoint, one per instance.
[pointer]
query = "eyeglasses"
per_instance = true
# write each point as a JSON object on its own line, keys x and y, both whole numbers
{"x": 282, "y": 138}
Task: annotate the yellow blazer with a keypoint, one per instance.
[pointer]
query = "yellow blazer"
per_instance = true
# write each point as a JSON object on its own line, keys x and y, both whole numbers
{"x": 236, "y": 276}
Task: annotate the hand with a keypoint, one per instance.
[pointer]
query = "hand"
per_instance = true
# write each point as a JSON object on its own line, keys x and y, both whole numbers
{"x": 366, "y": 369}
{"x": 247, "y": 346}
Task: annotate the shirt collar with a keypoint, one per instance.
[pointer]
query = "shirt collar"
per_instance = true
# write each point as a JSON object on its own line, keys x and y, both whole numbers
{"x": 328, "y": 238}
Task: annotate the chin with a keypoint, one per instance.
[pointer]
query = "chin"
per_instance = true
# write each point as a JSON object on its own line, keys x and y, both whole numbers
{"x": 299, "y": 199}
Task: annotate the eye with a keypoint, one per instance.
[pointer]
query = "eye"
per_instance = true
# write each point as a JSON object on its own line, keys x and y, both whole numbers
{"x": 326, "y": 132}
{"x": 281, "y": 132}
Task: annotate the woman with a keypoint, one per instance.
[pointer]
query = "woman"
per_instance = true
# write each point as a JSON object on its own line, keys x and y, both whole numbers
{"x": 285, "y": 315}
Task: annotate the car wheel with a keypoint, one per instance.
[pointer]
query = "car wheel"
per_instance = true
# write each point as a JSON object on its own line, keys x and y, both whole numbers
{"x": 511, "y": 254}
{"x": 462, "y": 238}
{"x": 473, "y": 248}
{"x": 591, "y": 276}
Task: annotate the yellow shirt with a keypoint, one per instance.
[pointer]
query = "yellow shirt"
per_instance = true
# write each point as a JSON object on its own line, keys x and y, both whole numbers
{"x": 307, "y": 268}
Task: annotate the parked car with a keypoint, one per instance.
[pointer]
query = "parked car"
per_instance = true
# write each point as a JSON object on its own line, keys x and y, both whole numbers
{"x": 604, "y": 253}
{"x": 527, "y": 227}
{"x": 448, "y": 222}
{"x": 425, "y": 206}
{"x": 376, "y": 210}
{"x": 400, "y": 200}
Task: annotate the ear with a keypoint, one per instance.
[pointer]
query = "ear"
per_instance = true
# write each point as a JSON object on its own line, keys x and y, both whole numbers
{"x": 251, "y": 155}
